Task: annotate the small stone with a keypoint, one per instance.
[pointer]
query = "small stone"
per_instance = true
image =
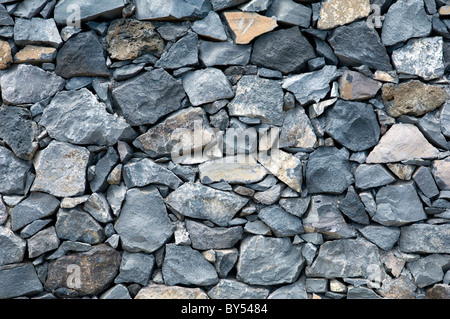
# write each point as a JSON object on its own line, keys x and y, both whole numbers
{"x": 269, "y": 196}
{"x": 6, "y": 58}
{"x": 425, "y": 238}
{"x": 103, "y": 168}
{"x": 37, "y": 31}
{"x": 441, "y": 173}
{"x": 372, "y": 176}
{"x": 145, "y": 172}
{"x": 12, "y": 247}
{"x": 153, "y": 291}
{"x": 290, "y": 13}
{"x": 352, "y": 207}
{"x": 100, "y": 9}
{"x": 334, "y": 13}
{"x": 428, "y": 270}
{"x": 247, "y": 26}
{"x": 19, "y": 280}
{"x": 438, "y": 291}
{"x": 224, "y": 4}
{"x": 210, "y": 27}
{"x": 183, "y": 53}
{"x": 204, "y": 237}
{"x": 181, "y": 235}
{"x": 72, "y": 202}
{"x": 257, "y": 227}
{"x": 117, "y": 292}
{"x": 295, "y": 206}
{"x": 172, "y": 9}
{"x": 383, "y": 237}
{"x": 128, "y": 71}
{"x": 233, "y": 289}
{"x": 135, "y": 268}
{"x": 430, "y": 126}
{"x": 295, "y": 290}
{"x": 402, "y": 171}
{"x": 361, "y": 293}
{"x": 445, "y": 120}
{"x": 224, "y": 53}
{"x": 44, "y": 241}
{"x": 425, "y": 181}
{"x": 69, "y": 246}
{"x": 77, "y": 225}
{"x": 225, "y": 261}
{"x": 355, "y": 86}
{"x": 280, "y": 222}
{"x": 35, "y": 54}
{"x": 98, "y": 207}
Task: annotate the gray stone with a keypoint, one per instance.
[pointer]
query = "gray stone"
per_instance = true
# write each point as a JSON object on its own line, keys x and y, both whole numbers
{"x": 224, "y": 4}
{"x": 445, "y": 120}
{"x": 37, "y": 31}
{"x": 428, "y": 270}
{"x": 225, "y": 261}
{"x": 281, "y": 222}
{"x": 29, "y": 8}
{"x": 430, "y": 126}
{"x": 202, "y": 202}
{"x": 145, "y": 172}
{"x": 146, "y": 98}
{"x": 357, "y": 44}
{"x": 257, "y": 227}
{"x": 14, "y": 173}
{"x": 425, "y": 239}
{"x": 117, "y": 292}
{"x": 27, "y": 84}
{"x": 5, "y": 18}
{"x": 98, "y": 207}
{"x": 268, "y": 261}
{"x": 255, "y": 5}
{"x": 345, "y": 258}
{"x": 355, "y": 86}
{"x": 64, "y": 11}
{"x": 324, "y": 50}
{"x": 69, "y": 246}
{"x": 77, "y": 225}
{"x": 128, "y": 71}
{"x": 12, "y": 247}
{"x": 19, "y": 280}
{"x": 210, "y": 27}
{"x": 441, "y": 173}
{"x": 82, "y": 55}
{"x": 36, "y": 206}
{"x": 438, "y": 291}
{"x": 186, "y": 266}
{"x": 156, "y": 291}
{"x": 324, "y": 217}
{"x": 313, "y": 86}
{"x": 232, "y": 289}
{"x": 361, "y": 293}
{"x": 425, "y": 181}
{"x": 316, "y": 285}
{"x": 309, "y": 252}
{"x": 135, "y": 268}
{"x": 405, "y": 20}
{"x": 353, "y": 124}
{"x": 34, "y": 227}
{"x": 328, "y": 171}
{"x": 143, "y": 224}
{"x": 352, "y": 207}
{"x": 79, "y": 118}
{"x": 181, "y": 54}
{"x": 422, "y": 57}
{"x": 171, "y": 9}
{"x": 258, "y": 98}
{"x": 102, "y": 170}
{"x": 295, "y": 206}
{"x": 269, "y": 196}
{"x": 285, "y": 50}
{"x": 206, "y": 86}
{"x": 383, "y": 237}
{"x": 204, "y": 237}
{"x": 290, "y": 13}
{"x": 44, "y": 241}
{"x": 61, "y": 170}
{"x": 398, "y": 204}
{"x": 372, "y": 175}
{"x": 297, "y": 290}
{"x": 224, "y": 53}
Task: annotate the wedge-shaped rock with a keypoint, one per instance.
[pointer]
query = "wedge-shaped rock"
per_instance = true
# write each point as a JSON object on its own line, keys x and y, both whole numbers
{"x": 210, "y": 27}
{"x": 203, "y": 202}
{"x": 355, "y": 86}
{"x": 445, "y": 120}
{"x": 12, "y": 247}
{"x": 65, "y": 10}
{"x": 297, "y": 130}
{"x": 145, "y": 172}
{"x": 401, "y": 143}
{"x": 19, "y": 280}
{"x": 425, "y": 239}
{"x": 290, "y": 12}
{"x": 352, "y": 207}
{"x": 204, "y": 237}
{"x": 280, "y": 221}
{"x": 172, "y": 9}
{"x": 224, "y": 53}
{"x": 372, "y": 176}
{"x": 14, "y": 173}
{"x": 383, "y": 237}
{"x": 79, "y": 118}
{"x": 233, "y": 289}
{"x": 247, "y": 26}
{"x": 37, "y": 31}
{"x": 35, "y": 54}
{"x": 334, "y": 13}
{"x": 183, "y": 53}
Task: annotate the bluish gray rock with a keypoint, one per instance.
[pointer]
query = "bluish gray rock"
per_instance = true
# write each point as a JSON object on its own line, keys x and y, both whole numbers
{"x": 14, "y": 173}
{"x": 117, "y": 292}
{"x": 65, "y": 10}
{"x": 383, "y": 237}
{"x": 445, "y": 120}
{"x": 428, "y": 270}
{"x": 233, "y": 289}
{"x": 12, "y": 247}
{"x": 425, "y": 239}
{"x": 372, "y": 175}
{"x": 281, "y": 222}
{"x": 183, "y": 53}
{"x": 77, "y": 225}
{"x": 290, "y": 13}
{"x": 103, "y": 168}
{"x": 135, "y": 268}
{"x": 171, "y": 9}
{"x": 225, "y": 261}
{"x": 295, "y": 206}
{"x": 255, "y": 5}
{"x": 352, "y": 207}
{"x": 19, "y": 280}
{"x": 44, "y": 241}
{"x": 204, "y": 237}
{"x": 29, "y": 8}
{"x": 210, "y": 27}
{"x": 296, "y": 290}
{"x": 98, "y": 207}
{"x": 37, "y": 31}
{"x": 224, "y": 4}
{"x": 425, "y": 181}
{"x": 224, "y": 53}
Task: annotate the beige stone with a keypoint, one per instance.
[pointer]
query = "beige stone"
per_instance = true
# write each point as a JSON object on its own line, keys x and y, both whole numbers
{"x": 5, "y": 55}
{"x": 286, "y": 167}
{"x": 401, "y": 143}
{"x": 35, "y": 54}
{"x": 402, "y": 171}
{"x": 441, "y": 173}
{"x": 444, "y": 11}
{"x": 334, "y": 13}
{"x": 170, "y": 292}
{"x": 246, "y": 26}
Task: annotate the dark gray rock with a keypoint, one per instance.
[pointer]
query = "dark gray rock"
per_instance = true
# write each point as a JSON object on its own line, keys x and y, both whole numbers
{"x": 181, "y": 54}
{"x": 328, "y": 171}
{"x": 5, "y": 18}
{"x": 268, "y": 261}
{"x": 172, "y": 9}
{"x": 295, "y": 206}
{"x": 103, "y": 168}
{"x": 44, "y": 241}
{"x": 428, "y": 270}
{"x": 77, "y": 225}
{"x": 210, "y": 27}
{"x": 224, "y": 53}
{"x": 225, "y": 261}
{"x": 353, "y": 124}
{"x": 281, "y": 222}
{"x": 36, "y": 206}
{"x": 12, "y": 247}
{"x": 405, "y": 20}
{"x": 64, "y": 11}
{"x": 361, "y": 293}
{"x": 27, "y": 84}
{"x": 77, "y": 117}
{"x": 290, "y": 13}
{"x": 218, "y": 5}
{"x": 186, "y": 266}
{"x": 29, "y": 8}
{"x": 425, "y": 239}
{"x": 430, "y": 126}
{"x": 233, "y": 289}
{"x": 324, "y": 50}
{"x": 118, "y": 292}
{"x": 135, "y": 268}
{"x": 398, "y": 204}
{"x": 372, "y": 175}
{"x": 19, "y": 280}
{"x": 352, "y": 207}
{"x": 285, "y": 50}
{"x": 357, "y": 44}
{"x": 204, "y": 237}
{"x": 206, "y": 86}
{"x": 383, "y": 237}
{"x": 128, "y": 71}
{"x": 445, "y": 120}
{"x": 69, "y": 246}
{"x": 34, "y": 227}
{"x": 297, "y": 290}
{"x": 425, "y": 181}
{"x": 37, "y": 31}
{"x": 316, "y": 285}
{"x": 148, "y": 97}
{"x": 14, "y": 173}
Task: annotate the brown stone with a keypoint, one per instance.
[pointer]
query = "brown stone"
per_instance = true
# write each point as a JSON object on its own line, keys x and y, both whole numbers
{"x": 246, "y": 26}
{"x": 127, "y": 39}
{"x": 334, "y": 13}
{"x": 35, "y": 54}
{"x": 438, "y": 291}
{"x": 5, "y": 55}
{"x": 441, "y": 173}
{"x": 413, "y": 98}
{"x": 357, "y": 87}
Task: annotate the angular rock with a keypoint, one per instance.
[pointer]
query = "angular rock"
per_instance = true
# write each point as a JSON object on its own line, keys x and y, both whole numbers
{"x": 357, "y": 44}
{"x": 258, "y": 98}
{"x": 428, "y": 270}
{"x": 345, "y": 258}
{"x": 281, "y": 222}
{"x": 402, "y": 287}
{"x": 225, "y": 260}
{"x": 361, "y": 293}
{"x": 291, "y": 13}
{"x": 88, "y": 11}
{"x": 171, "y": 9}
{"x": 285, "y": 50}
{"x": 77, "y": 117}
{"x": 204, "y": 237}
{"x": 402, "y": 142}
{"x": 425, "y": 181}
{"x": 402, "y": 171}
{"x": 438, "y": 291}
{"x": 143, "y": 224}
{"x": 313, "y": 86}
{"x": 117, "y": 292}
{"x": 153, "y": 291}
{"x": 186, "y": 266}
{"x": 268, "y": 261}
{"x": 14, "y": 173}
{"x": 183, "y": 53}
{"x": 247, "y": 26}
{"x": 425, "y": 239}
{"x": 296, "y": 290}
{"x": 210, "y": 27}
{"x": 353, "y": 124}
{"x": 206, "y": 86}
{"x": 98, "y": 207}
{"x": 82, "y": 55}
{"x": 35, "y": 54}
{"x": 5, "y": 18}
{"x": 224, "y": 4}
{"x": 328, "y": 171}
{"x": 441, "y": 173}
{"x": 36, "y": 206}
{"x": 422, "y": 57}
{"x": 6, "y": 58}
{"x": 29, "y": 8}
{"x": 128, "y": 39}
{"x": 103, "y": 168}
{"x": 97, "y": 267}
{"x": 413, "y": 98}
{"x": 77, "y": 225}
{"x": 334, "y": 13}
{"x": 12, "y": 247}
{"x": 398, "y": 204}
{"x": 355, "y": 86}
{"x": 202, "y": 202}
{"x": 352, "y": 207}
{"x": 232, "y": 289}
{"x": 430, "y": 126}
{"x": 445, "y": 120}
{"x": 145, "y": 172}
{"x": 61, "y": 170}
{"x": 269, "y": 196}
{"x": 39, "y": 85}
{"x": 383, "y": 237}
{"x": 297, "y": 130}
{"x": 146, "y": 98}
{"x": 19, "y": 280}
{"x": 372, "y": 176}
{"x": 295, "y": 206}
{"x": 324, "y": 217}
{"x": 44, "y": 241}
{"x": 135, "y": 268}
{"x": 37, "y": 31}
{"x": 405, "y": 20}
{"x": 224, "y": 53}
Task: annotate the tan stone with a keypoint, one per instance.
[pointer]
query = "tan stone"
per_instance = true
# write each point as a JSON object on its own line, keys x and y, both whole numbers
{"x": 35, "y": 54}
{"x": 5, "y": 55}
{"x": 444, "y": 11}
{"x": 170, "y": 292}
{"x": 401, "y": 143}
{"x": 441, "y": 173}
{"x": 339, "y": 12}
{"x": 384, "y": 77}
{"x": 246, "y": 26}
{"x": 402, "y": 171}
{"x": 286, "y": 167}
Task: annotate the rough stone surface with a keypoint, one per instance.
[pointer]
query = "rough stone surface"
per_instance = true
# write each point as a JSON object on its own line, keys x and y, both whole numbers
{"x": 77, "y": 225}
{"x": 89, "y": 11}
{"x": 334, "y": 13}
{"x": 19, "y": 280}
{"x": 281, "y": 222}
{"x": 12, "y": 247}
{"x": 210, "y": 27}
{"x": 170, "y": 292}
{"x": 290, "y": 13}
{"x": 183, "y": 53}
{"x": 383, "y": 237}
{"x": 247, "y": 26}
{"x": 172, "y": 9}
{"x": 441, "y": 173}
{"x": 227, "y": 289}
{"x": 204, "y": 237}
{"x": 355, "y": 86}
{"x": 145, "y": 172}
{"x": 224, "y": 53}
{"x": 424, "y": 238}
{"x": 44, "y": 32}
{"x": 297, "y": 130}
{"x": 372, "y": 176}
{"x": 14, "y": 172}
{"x": 6, "y": 58}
